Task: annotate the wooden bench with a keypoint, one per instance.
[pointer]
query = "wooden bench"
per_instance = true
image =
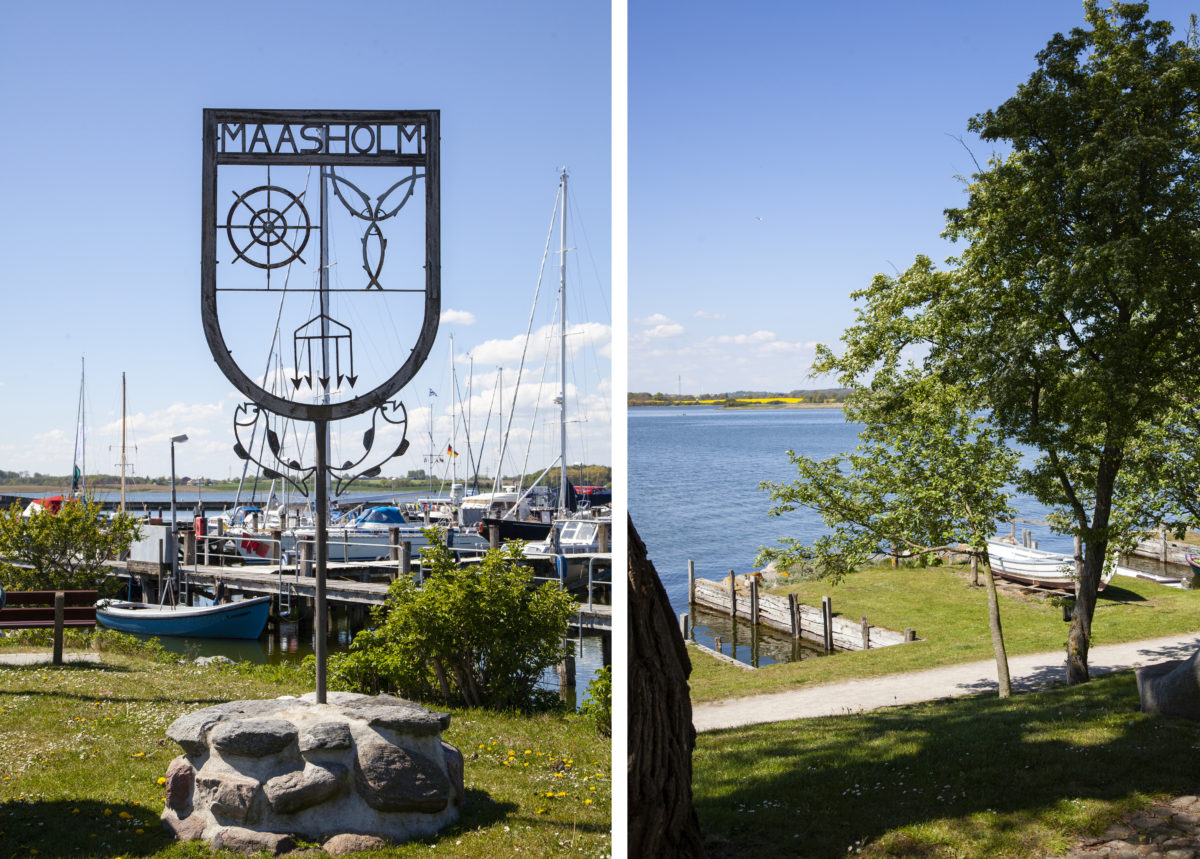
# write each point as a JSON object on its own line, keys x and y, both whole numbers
{"x": 49, "y": 609}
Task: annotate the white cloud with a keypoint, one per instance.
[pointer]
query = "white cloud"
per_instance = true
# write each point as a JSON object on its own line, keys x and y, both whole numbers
{"x": 655, "y": 319}
{"x": 742, "y": 339}
{"x": 458, "y": 317}
{"x": 704, "y": 314}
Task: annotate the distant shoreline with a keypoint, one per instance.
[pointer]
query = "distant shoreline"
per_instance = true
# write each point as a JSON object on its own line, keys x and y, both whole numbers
{"x": 739, "y": 406}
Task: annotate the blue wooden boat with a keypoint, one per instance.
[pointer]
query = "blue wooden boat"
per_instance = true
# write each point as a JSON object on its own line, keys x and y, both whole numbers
{"x": 241, "y": 619}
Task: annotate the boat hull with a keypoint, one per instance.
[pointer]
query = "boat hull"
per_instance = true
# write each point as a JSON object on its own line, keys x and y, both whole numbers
{"x": 1037, "y": 569}
{"x": 241, "y": 619}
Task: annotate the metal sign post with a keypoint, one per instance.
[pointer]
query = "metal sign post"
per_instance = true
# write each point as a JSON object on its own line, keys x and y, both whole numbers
{"x": 257, "y": 268}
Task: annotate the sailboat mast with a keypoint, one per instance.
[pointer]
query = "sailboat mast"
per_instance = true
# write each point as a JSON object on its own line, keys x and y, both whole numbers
{"x": 79, "y": 465}
{"x": 122, "y": 442}
{"x": 562, "y": 360}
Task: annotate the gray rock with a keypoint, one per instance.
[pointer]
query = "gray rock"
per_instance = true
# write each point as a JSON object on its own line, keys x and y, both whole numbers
{"x": 1171, "y": 688}
{"x": 326, "y": 735}
{"x": 350, "y": 842}
{"x": 253, "y": 738}
{"x": 190, "y": 730}
{"x": 301, "y": 789}
{"x": 180, "y": 778}
{"x": 188, "y": 828}
{"x": 205, "y": 661}
{"x": 394, "y": 778}
{"x": 229, "y": 795}
{"x": 385, "y": 711}
{"x": 247, "y": 841}
{"x": 454, "y": 766}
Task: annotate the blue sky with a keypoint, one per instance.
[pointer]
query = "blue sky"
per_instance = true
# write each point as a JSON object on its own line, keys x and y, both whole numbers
{"x": 101, "y": 228}
{"x": 782, "y": 154}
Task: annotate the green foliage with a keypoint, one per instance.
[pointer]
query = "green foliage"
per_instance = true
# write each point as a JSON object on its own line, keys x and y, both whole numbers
{"x": 64, "y": 550}
{"x": 1069, "y": 314}
{"x": 479, "y": 634}
{"x": 597, "y": 706}
{"x": 928, "y": 472}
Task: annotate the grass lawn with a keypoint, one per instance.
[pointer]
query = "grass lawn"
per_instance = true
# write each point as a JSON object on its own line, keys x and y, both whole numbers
{"x": 950, "y": 617}
{"x": 82, "y": 749}
{"x": 967, "y": 777}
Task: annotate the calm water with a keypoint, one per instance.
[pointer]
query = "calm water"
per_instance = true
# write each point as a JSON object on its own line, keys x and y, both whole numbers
{"x": 693, "y": 490}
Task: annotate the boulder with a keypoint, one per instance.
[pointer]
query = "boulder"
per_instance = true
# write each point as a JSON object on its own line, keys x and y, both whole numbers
{"x": 1171, "y": 688}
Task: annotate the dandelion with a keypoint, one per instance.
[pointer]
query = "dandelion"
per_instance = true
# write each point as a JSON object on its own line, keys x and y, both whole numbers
{"x": 124, "y": 815}
{"x": 587, "y": 802}
{"x": 162, "y": 780}
{"x": 107, "y": 812}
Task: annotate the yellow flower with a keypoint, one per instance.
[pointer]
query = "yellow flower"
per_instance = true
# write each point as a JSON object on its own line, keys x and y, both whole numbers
{"x": 162, "y": 780}
{"x": 107, "y": 812}
{"x": 541, "y": 811}
{"x": 528, "y": 752}
{"x": 587, "y": 802}
{"x": 143, "y": 832}
{"x": 593, "y": 787}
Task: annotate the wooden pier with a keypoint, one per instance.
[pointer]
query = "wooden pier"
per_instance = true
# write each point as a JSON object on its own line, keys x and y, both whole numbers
{"x": 739, "y": 597}
{"x": 358, "y": 584}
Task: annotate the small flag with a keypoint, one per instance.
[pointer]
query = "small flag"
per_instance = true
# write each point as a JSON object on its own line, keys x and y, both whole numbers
{"x": 432, "y": 392}
{"x": 451, "y": 451}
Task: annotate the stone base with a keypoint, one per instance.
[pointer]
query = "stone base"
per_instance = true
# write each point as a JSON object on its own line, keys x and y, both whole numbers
{"x": 352, "y": 773}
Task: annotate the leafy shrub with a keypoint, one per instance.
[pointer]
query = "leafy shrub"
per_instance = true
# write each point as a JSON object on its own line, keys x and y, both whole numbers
{"x": 479, "y": 635}
{"x": 597, "y": 705}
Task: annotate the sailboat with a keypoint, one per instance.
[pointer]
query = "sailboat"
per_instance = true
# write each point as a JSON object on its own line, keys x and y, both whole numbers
{"x": 517, "y": 518}
{"x": 54, "y": 503}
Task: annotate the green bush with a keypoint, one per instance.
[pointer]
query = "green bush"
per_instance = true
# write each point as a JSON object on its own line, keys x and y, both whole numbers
{"x": 597, "y": 705}
{"x": 479, "y": 635}
{"x": 64, "y": 550}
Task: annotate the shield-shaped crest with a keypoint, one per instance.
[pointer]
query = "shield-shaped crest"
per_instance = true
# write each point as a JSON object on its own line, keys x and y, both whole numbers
{"x": 320, "y": 274}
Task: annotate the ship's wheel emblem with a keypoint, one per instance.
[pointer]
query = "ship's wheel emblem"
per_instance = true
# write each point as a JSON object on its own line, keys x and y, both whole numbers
{"x": 275, "y": 230}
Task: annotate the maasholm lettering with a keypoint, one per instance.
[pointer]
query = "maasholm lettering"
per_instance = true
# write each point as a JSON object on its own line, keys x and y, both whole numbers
{"x": 350, "y": 139}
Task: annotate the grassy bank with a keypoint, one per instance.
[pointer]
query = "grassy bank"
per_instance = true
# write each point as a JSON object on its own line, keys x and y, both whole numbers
{"x": 973, "y": 777}
{"x": 82, "y": 749}
{"x": 951, "y": 617}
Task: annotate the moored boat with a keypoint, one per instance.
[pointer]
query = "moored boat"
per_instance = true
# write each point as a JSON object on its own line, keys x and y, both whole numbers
{"x": 242, "y": 619}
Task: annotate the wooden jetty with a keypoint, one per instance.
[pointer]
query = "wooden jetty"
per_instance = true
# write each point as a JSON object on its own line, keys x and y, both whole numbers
{"x": 356, "y": 584}
{"x": 739, "y": 597}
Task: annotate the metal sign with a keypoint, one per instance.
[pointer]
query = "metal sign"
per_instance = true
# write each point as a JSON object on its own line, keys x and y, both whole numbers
{"x": 358, "y": 266}
{"x": 313, "y": 227}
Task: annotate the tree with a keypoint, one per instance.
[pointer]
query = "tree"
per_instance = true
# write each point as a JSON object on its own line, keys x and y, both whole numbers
{"x": 662, "y": 817}
{"x": 1070, "y": 310}
{"x": 64, "y": 550}
{"x": 481, "y": 635}
{"x": 929, "y": 473}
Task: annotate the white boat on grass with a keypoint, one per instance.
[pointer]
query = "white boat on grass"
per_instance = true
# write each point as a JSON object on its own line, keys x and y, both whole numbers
{"x": 1037, "y": 568}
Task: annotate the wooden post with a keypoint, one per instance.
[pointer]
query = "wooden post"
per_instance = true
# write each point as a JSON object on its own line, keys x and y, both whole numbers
{"x": 732, "y": 595}
{"x": 827, "y": 623}
{"x": 691, "y": 582}
{"x": 60, "y": 611}
{"x": 306, "y": 557}
{"x": 189, "y": 547}
{"x": 753, "y": 601}
{"x": 866, "y": 633}
{"x": 604, "y": 541}
{"x": 276, "y": 546}
{"x": 1014, "y": 530}
{"x": 393, "y": 544}
{"x": 910, "y": 634}
{"x": 683, "y": 625}
{"x": 493, "y": 535}
{"x": 566, "y": 676}
{"x": 717, "y": 642}
{"x": 794, "y": 616}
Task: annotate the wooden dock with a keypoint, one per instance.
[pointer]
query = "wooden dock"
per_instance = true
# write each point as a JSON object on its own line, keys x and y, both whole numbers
{"x": 362, "y": 584}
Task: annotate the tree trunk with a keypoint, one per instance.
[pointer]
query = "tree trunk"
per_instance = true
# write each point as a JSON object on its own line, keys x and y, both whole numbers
{"x": 662, "y": 818}
{"x": 1080, "y": 636}
{"x": 993, "y": 600}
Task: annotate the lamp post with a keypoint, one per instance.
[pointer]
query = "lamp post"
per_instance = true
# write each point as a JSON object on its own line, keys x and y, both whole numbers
{"x": 178, "y": 439}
